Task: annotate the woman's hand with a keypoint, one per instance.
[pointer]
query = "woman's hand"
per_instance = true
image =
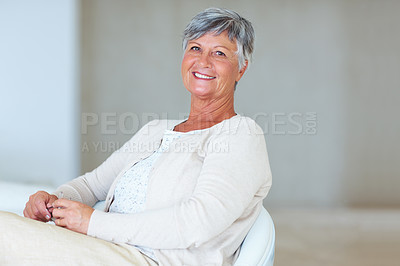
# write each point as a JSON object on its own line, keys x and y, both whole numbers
{"x": 37, "y": 206}
{"x": 72, "y": 215}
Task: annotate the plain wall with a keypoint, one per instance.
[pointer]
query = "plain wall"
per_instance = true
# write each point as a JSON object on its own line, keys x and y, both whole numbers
{"x": 371, "y": 80}
{"x": 324, "y": 86}
{"x": 338, "y": 60}
{"x": 39, "y": 104}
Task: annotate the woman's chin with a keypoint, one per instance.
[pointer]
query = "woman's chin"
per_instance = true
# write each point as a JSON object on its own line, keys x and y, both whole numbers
{"x": 201, "y": 91}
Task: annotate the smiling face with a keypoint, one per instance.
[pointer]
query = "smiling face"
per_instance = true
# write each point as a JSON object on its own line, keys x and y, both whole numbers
{"x": 210, "y": 66}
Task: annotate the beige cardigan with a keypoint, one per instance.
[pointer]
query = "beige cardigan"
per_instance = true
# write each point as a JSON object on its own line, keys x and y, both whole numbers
{"x": 203, "y": 194}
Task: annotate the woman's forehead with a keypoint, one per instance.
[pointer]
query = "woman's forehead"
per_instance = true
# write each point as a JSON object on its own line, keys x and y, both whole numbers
{"x": 214, "y": 39}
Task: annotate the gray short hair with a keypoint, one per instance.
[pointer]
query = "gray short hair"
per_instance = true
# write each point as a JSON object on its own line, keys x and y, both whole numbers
{"x": 219, "y": 20}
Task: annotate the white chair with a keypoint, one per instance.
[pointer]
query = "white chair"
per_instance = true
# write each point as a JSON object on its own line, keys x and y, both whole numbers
{"x": 258, "y": 248}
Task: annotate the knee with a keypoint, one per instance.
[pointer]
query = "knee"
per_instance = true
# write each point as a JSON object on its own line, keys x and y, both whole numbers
{"x": 11, "y": 225}
{"x": 8, "y": 218}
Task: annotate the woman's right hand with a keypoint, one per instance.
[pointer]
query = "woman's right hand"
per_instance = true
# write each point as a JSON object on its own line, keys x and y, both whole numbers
{"x": 38, "y": 206}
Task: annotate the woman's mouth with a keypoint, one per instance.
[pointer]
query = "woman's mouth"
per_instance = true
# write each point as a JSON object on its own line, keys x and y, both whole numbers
{"x": 202, "y": 76}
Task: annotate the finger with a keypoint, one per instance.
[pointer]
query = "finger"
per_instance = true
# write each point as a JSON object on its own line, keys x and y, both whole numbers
{"x": 60, "y": 222}
{"x": 36, "y": 215}
{"x": 52, "y": 198}
{"x": 62, "y": 203}
{"x": 29, "y": 213}
{"x": 25, "y": 213}
{"x": 26, "y": 210}
{"x": 59, "y": 213}
{"x": 44, "y": 214}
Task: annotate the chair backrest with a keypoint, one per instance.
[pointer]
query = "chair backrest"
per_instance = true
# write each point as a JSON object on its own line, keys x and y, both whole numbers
{"x": 258, "y": 248}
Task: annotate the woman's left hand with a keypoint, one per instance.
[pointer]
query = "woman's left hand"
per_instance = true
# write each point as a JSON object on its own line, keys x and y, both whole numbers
{"x": 72, "y": 215}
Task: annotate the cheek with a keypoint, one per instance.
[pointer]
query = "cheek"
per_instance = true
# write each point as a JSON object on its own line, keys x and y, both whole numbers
{"x": 185, "y": 67}
{"x": 186, "y": 62}
{"x": 227, "y": 70}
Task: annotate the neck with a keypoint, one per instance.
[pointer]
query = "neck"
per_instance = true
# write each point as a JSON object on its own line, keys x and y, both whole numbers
{"x": 210, "y": 111}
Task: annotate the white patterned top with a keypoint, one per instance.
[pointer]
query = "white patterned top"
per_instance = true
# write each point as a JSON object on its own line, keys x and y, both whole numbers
{"x": 130, "y": 191}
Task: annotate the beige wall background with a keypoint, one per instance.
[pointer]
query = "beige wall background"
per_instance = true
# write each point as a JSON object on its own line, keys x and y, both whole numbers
{"x": 338, "y": 60}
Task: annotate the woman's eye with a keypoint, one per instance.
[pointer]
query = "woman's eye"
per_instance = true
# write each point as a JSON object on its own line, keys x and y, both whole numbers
{"x": 195, "y": 48}
{"x": 220, "y": 53}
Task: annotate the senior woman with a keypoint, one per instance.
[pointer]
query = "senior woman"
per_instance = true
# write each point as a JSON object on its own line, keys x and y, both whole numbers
{"x": 190, "y": 201}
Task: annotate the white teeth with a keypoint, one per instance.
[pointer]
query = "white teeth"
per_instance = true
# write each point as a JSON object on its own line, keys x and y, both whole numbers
{"x": 203, "y": 76}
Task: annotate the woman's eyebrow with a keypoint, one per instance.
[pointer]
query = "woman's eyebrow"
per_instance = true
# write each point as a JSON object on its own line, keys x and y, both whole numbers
{"x": 221, "y": 47}
{"x": 193, "y": 42}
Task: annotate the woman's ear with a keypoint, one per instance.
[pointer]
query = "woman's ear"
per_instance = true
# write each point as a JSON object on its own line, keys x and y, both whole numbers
{"x": 241, "y": 71}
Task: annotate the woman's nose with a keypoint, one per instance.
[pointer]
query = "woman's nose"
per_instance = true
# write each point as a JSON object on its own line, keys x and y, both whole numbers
{"x": 204, "y": 60}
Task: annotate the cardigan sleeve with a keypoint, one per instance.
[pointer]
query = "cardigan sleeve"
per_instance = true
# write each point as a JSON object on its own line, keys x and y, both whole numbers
{"x": 93, "y": 186}
{"x": 227, "y": 184}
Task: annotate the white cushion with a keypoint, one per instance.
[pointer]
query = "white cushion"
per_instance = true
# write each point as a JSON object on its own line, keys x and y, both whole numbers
{"x": 13, "y": 196}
